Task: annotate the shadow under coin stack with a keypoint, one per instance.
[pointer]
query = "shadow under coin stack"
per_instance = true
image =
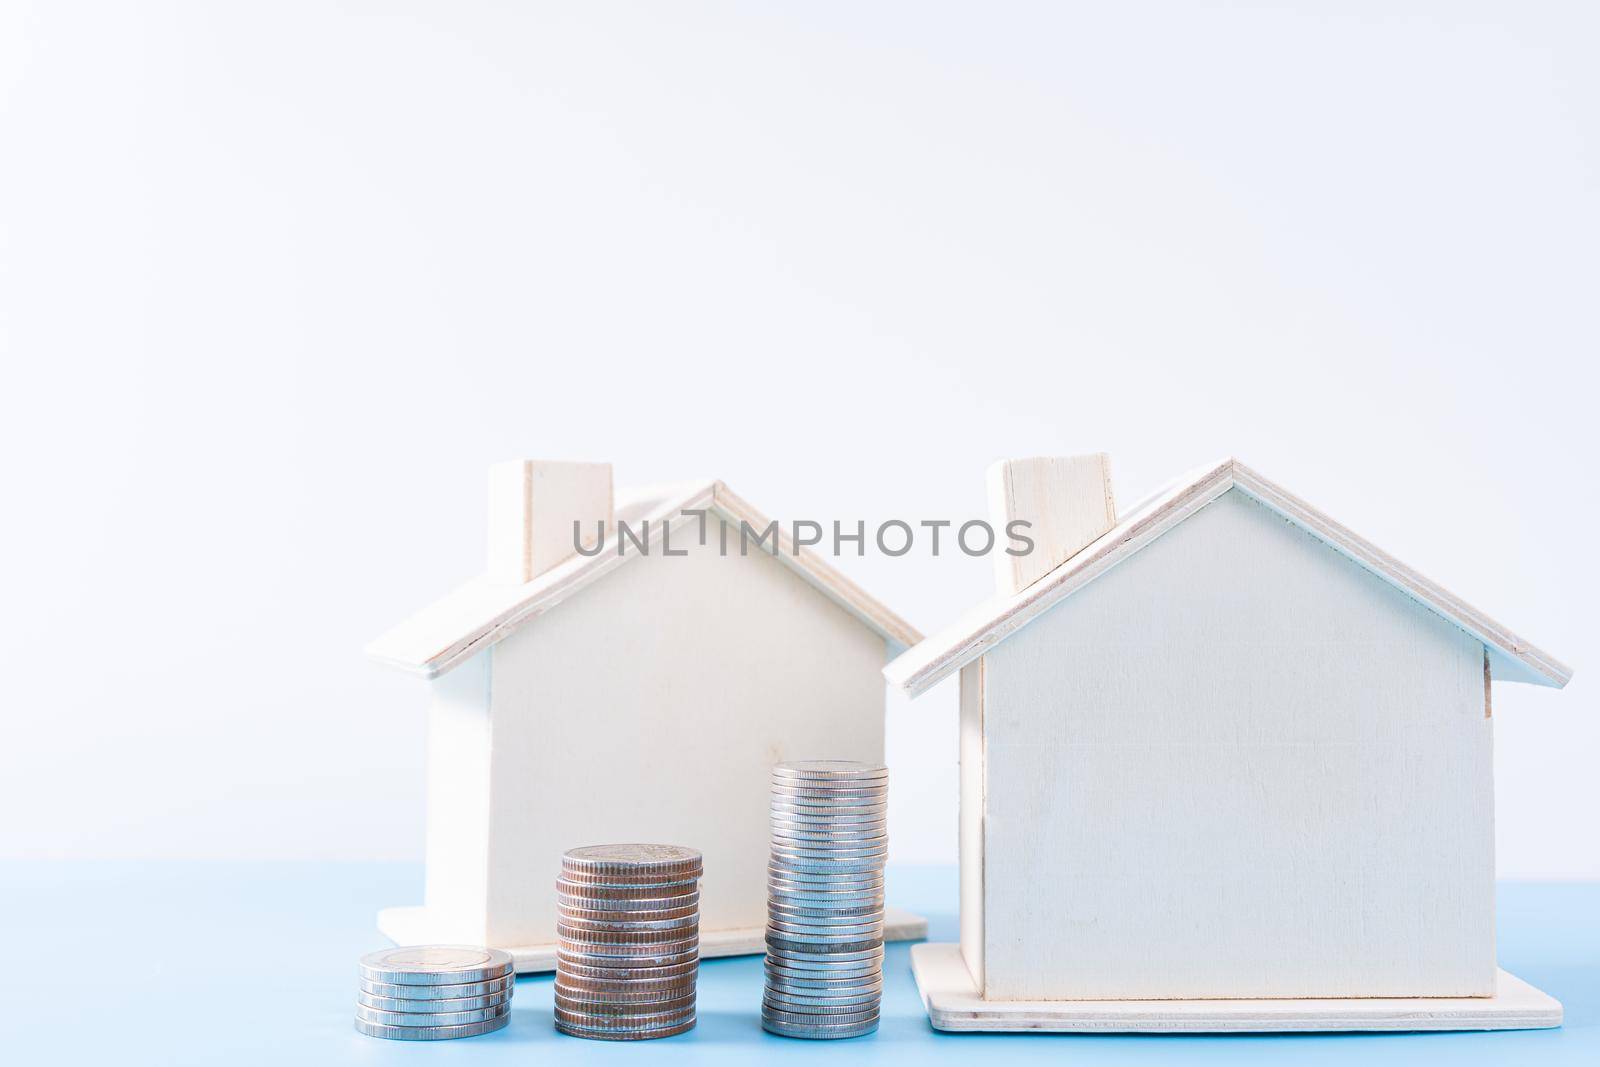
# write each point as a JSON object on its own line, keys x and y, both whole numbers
{"x": 824, "y": 969}
{"x": 628, "y": 941}
{"x": 434, "y": 992}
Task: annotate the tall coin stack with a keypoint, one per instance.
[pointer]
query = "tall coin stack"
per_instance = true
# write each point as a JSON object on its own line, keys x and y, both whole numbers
{"x": 434, "y": 992}
{"x": 628, "y": 941}
{"x": 825, "y": 899}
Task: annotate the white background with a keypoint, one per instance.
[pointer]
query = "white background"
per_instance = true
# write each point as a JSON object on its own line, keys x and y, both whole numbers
{"x": 279, "y": 281}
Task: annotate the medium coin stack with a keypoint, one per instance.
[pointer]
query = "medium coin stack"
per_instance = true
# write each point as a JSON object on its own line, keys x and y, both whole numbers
{"x": 628, "y": 941}
{"x": 824, "y": 969}
{"x": 434, "y": 992}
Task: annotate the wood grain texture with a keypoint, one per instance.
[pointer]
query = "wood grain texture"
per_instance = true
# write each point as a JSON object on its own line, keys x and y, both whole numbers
{"x": 952, "y": 1001}
{"x": 483, "y": 611}
{"x": 457, "y": 841}
{"x": 971, "y": 818}
{"x": 652, "y": 708}
{"x": 532, "y": 506}
{"x": 1067, "y": 502}
{"x": 1513, "y": 657}
{"x": 1276, "y": 784}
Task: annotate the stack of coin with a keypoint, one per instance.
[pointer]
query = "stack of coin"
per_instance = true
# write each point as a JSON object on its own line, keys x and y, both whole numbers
{"x": 628, "y": 941}
{"x": 825, "y": 899}
{"x": 434, "y": 992}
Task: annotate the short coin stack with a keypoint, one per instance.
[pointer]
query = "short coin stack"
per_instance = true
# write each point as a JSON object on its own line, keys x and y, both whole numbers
{"x": 628, "y": 941}
{"x": 825, "y": 899}
{"x": 434, "y": 992}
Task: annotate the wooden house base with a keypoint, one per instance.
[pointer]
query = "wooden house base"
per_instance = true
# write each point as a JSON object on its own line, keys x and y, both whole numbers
{"x": 412, "y": 926}
{"x": 951, "y": 997}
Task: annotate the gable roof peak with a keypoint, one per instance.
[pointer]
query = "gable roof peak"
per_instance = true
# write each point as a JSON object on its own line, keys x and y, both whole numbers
{"x": 484, "y": 611}
{"x": 1511, "y": 657}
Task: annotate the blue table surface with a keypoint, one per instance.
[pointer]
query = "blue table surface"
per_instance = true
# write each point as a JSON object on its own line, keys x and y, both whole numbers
{"x": 255, "y": 963}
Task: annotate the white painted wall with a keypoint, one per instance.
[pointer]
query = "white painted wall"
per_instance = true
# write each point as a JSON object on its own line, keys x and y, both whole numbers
{"x": 1237, "y": 765}
{"x": 278, "y": 282}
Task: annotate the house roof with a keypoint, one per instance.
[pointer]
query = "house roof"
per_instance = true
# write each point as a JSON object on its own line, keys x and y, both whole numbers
{"x": 1510, "y": 657}
{"x": 482, "y": 612}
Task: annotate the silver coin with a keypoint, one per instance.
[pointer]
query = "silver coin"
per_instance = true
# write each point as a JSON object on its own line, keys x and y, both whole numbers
{"x": 781, "y": 942}
{"x": 806, "y": 883}
{"x": 860, "y": 992}
{"x": 799, "y": 909}
{"x": 817, "y": 940}
{"x": 829, "y": 768}
{"x": 792, "y": 826}
{"x": 610, "y": 1008}
{"x": 825, "y": 965}
{"x": 824, "y": 902}
{"x": 431, "y": 1033}
{"x": 630, "y": 860}
{"x": 820, "y": 808}
{"x": 807, "y": 929}
{"x": 435, "y": 1004}
{"x": 784, "y": 873}
{"x": 662, "y": 888}
{"x": 864, "y": 981}
{"x": 823, "y": 1033}
{"x": 807, "y": 1016}
{"x": 658, "y": 954}
{"x": 824, "y": 823}
{"x": 610, "y": 1021}
{"x": 810, "y": 959}
{"x": 848, "y": 924}
{"x": 790, "y": 823}
{"x": 445, "y": 991}
{"x": 625, "y": 923}
{"x": 841, "y": 849}
{"x": 823, "y": 981}
{"x": 778, "y": 908}
{"x": 826, "y": 800}
{"x": 628, "y": 905}
{"x": 574, "y": 1030}
{"x": 829, "y": 843}
{"x": 854, "y": 864}
{"x": 850, "y": 867}
{"x": 795, "y": 866}
{"x": 435, "y": 1018}
{"x": 796, "y": 861}
{"x": 846, "y": 970}
{"x": 622, "y": 994}
{"x": 830, "y": 785}
{"x": 826, "y": 914}
{"x": 829, "y": 834}
{"x": 837, "y": 966}
{"x": 847, "y": 817}
{"x": 792, "y": 903}
{"x": 800, "y": 1002}
{"x": 624, "y": 970}
{"x": 629, "y": 933}
{"x": 616, "y": 965}
{"x": 435, "y": 965}
{"x": 853, "y": 971}
{"x": 871, "y": 982}
{"x": 784, "y": 944}
{"x": 850, "y": 816}
{"x": 637, "y": 941}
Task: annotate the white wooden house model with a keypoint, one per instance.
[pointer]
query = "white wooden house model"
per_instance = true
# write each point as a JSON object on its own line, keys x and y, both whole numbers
{"x": 638, "y": 689}
{"x": 1224, "y": 766}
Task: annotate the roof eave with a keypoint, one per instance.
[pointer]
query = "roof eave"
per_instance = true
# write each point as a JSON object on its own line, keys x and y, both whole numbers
{"x": 507, "y": 607}
{"x": 917, "y": 671}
